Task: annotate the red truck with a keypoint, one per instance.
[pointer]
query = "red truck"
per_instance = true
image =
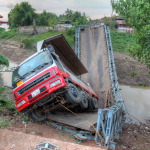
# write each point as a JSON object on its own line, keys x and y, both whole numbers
{"x": 49, "y": 80}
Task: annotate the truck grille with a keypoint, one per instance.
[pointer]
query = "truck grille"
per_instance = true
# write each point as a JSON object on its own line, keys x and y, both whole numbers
{"x": 41, "y": 90}
{"x": 38, "y": 97}
{"x": 35, "y": 82}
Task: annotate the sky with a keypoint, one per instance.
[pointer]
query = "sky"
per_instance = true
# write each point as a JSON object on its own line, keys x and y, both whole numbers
{"x": 93, "y": 8}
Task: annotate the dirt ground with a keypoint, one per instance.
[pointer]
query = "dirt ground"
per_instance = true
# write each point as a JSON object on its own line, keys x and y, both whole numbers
{"x": 130, "y": 72}
{"x": 11, "y": 140}
{"x": 133, "y": 137}
{"x": 13, "y": 51}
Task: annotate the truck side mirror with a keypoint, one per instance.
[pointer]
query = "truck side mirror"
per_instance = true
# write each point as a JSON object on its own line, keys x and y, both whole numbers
{"x": 50, "y": 48}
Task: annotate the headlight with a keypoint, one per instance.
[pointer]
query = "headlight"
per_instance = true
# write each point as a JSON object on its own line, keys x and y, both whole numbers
{"x": 21, "y": 103}
{"x": 54, "y": 83}
{"x": 19, "y": 83}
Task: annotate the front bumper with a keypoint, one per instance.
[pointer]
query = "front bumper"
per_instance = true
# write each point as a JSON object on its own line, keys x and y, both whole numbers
{"x": 40, "y": 92}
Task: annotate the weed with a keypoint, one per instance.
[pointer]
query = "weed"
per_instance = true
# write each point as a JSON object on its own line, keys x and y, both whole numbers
{"x": 6, "y": 103}
{"x": 25, "y": 118}
{"x": 77, "y": 140}
{"x": 4, "y": 61}
{"x": 143, "y": 84}
{"x": 2, "y": 89}
{"x": 133, "y": 74}
{"x": 27, "y": 43}
{"x": 8, "y": 34}
{"x": 1, "y": 111}
{"x": 4, "y": 123}
{"x": 3, "y": 102}
{"x": 70, "y": 31}
{"x": 62, "y": 132}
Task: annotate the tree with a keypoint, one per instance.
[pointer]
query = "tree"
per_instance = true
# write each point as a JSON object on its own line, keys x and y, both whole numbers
{"x": 21, "y": 15}
{"x": 75, "y": 17}
{"x": 137, "y": 14}
{"x": 69, "y": 14}
{"x": 111, "y": 22}
{"x": 46, "y": 18}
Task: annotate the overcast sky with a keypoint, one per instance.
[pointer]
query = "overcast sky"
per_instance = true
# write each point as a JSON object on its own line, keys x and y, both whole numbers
{"x": 92, "y": 8}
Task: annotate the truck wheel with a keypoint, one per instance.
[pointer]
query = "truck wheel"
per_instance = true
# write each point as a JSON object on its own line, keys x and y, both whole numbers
{"x": 94, "y": 103}
{"x": 37, "y": 115}
{"x": 73, "y": 95}
{"x": 84, "y": 101}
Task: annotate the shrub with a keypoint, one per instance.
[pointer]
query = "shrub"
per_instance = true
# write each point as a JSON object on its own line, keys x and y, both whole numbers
{"x": 4, "y": 61}
{"x": 27, "y": 43}
{"x": 4, "y": 123}
{"x": 3, "y": 102}
{"x": 6, "y": 103}
{"x": 70, "y": 31}
{"x": 2, "y": 30}
{"x": 2, "y": 89}
{"x": 133, "y": 74}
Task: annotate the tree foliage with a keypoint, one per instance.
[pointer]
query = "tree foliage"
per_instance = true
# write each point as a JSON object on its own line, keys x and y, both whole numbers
{"x": 111, "y": 22}
{"x": 21, "y": 15}
{"x": 76, "y": 17}
{"x": 137, "y": 14}
{"x": 46, "y": 19}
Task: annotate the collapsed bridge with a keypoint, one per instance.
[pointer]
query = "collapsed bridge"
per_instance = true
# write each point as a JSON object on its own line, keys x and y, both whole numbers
{"x": 93, "y": 47}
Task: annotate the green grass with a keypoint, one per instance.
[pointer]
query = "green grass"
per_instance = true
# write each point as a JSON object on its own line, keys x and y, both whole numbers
{"x": 2, "y": 89}
{"x": 8, "y": 34}
{"x": 50, "y": 33}
{"x": 133, "y": 73}
{"x": 7, "y": 107}
{"x": 4, "y": 61}
{"x": 4, "y": 122}
{"x": 5, "y": 102}
{"x": 44, "y": 35}
{"x": 29, "y": 41}
{"x": 122, "y": 42}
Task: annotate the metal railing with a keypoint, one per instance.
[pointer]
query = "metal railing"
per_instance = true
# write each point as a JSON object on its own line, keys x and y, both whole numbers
{"x": 112, "y": 69}
{"x": 77, "y": 42}
{"x": 110, "y": 120}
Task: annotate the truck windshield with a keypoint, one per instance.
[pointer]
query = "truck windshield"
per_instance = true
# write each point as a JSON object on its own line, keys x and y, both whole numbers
{"x": 36, "y": 62}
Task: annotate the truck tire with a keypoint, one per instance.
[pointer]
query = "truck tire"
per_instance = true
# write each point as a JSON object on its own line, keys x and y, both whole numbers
{"x": 84, "y": 101}
{"x": 94, "y": 103}
{"x": 73, "y": 95}
{"x": 37, "y": 116}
